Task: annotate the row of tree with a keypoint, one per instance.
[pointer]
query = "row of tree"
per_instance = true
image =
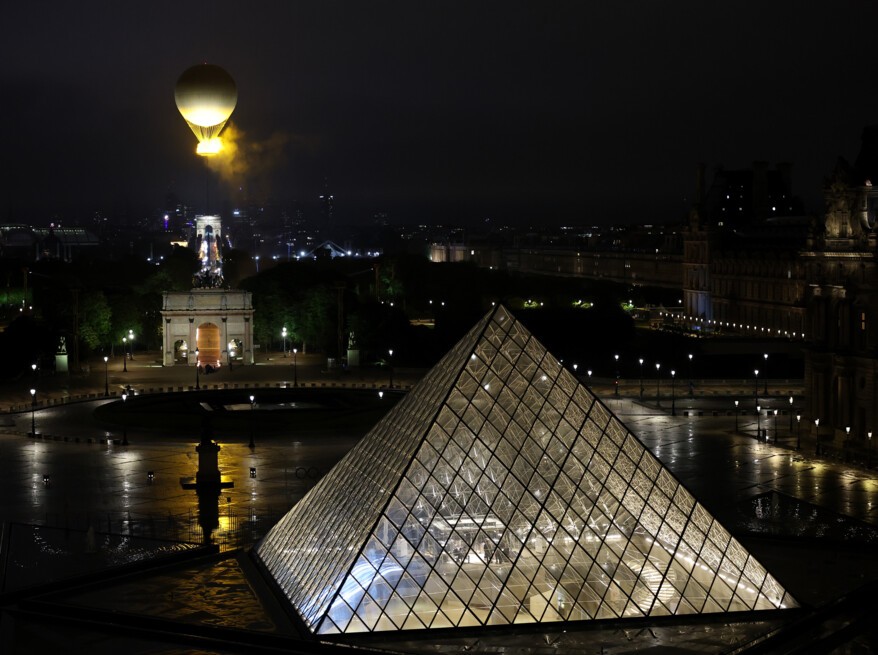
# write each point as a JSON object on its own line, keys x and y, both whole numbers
{"x": 405, "y": 303}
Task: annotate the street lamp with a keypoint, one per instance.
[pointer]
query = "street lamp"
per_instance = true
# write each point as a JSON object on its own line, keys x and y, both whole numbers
{"x": 641, "y": 377}
{"x": 847, "y": 431}
{"x": 791, "y": 414}
{"x": 295, "y": 372}
{"x": 252, "y": 422}
{"x": 231, "y": 347}
{"x": 197, "y": 381}
{"x": 124, "y": 423}
{"x": 775, "y": 427}
{"x": 798, "y": 431}
{"x": 131, "y": 344}
{"x": 33, "y": 410}
{"x": 758, "y": 422}
{"x": 869, "y": 433}
{"x": 575, "y": 366}
{"x": 390, "y": 367}
{"x": 616, "y": 357}
{"x": 691, "y": 390}
{"x": 817, "y": 435}
{"x": 765, "y": 380}
{"x": 658, "y": 384}
{"x": 125, "y": 354}
{"x": 283, "y": 334}
{"x": 106, "y": 377}
{"x": 756, "y": 384}
{"x": 736, "y": 416}
{"x": 673, "y": 394}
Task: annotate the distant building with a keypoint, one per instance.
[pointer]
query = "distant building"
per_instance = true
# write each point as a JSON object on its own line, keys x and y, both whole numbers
{"x": 841, "y": 362}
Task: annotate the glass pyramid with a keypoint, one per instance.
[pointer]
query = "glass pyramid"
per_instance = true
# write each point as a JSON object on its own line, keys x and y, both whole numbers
{"x": 500, "y": 491}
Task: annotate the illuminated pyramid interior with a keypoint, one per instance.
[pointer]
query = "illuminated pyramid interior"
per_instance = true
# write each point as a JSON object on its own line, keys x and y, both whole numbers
{"x": 500, "y": 491}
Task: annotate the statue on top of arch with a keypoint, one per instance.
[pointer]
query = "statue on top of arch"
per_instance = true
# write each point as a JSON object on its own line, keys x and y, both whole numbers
{"x": 208, "y": 279}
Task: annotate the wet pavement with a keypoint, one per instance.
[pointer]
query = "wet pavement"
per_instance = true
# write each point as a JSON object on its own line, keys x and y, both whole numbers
{"x": 78, "y": 475}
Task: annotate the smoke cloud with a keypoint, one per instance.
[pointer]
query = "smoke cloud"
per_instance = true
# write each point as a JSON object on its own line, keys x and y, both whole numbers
{"x": 242, "y": 162}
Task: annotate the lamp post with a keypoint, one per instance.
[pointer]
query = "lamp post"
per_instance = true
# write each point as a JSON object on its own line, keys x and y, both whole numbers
{"x": 616, "y": 357}
{"x": 756, "y": 384}
{"x": 641, "y": 377}
{"x": 197, "y": 380}
{"x": 673, "y": 394}
{"x": 798, "y": 431}
{"x": 869, "y": 434}
{"x": 33, "y": 412}
{"x": 691, "y": 390}
{"x": 283, "y": 333}
{"x": 125, "y": 354}
{"x": 758, "y": 422}
{"x": 775, "y": 427}
{"x": 295, "y": 373}
{"x": 252, "y": 421}
{"x": 847, "y": 433}
{"x": 124, "y": 423}
{"x": 658, "y": 384}
{"x": 131, "y": 344}
{"x": 575, "y": 366}
{"x": 589, "y": 377}
{"x": 736, "y": 416}
{"x": 106, "y": 377}
{"x": 791, "y": 414}
{"x": 231, "y": 346}
{"x": 765, "y": 379}
{"x": 817, "y": 435}
{"x": 390, "y": 367}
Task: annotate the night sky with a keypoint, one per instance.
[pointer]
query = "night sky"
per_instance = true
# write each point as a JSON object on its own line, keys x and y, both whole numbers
{"x": 551, "y": 112}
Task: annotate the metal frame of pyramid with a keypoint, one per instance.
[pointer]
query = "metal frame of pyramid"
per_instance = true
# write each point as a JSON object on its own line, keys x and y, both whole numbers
{"x": 500, "y": 491}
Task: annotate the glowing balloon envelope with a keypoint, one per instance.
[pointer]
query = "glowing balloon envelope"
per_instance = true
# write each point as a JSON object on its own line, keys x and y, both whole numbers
{"x": 206, "y": 96}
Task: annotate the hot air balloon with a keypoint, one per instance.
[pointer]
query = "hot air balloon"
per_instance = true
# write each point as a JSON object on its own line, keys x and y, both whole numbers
{"x": 206, "y": 96}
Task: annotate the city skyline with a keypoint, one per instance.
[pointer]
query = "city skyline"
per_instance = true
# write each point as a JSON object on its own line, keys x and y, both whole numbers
{"x": 460, "y": 113}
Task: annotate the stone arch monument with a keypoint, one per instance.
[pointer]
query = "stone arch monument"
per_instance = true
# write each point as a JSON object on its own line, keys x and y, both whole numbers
{"x": 209, "y": 320}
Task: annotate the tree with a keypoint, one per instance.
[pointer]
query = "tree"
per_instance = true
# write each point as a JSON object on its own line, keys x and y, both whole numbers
{"x": 94, "y": 319}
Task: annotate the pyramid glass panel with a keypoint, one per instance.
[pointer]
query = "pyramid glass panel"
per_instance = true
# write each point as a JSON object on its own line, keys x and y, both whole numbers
{"x": 500, "y": 491}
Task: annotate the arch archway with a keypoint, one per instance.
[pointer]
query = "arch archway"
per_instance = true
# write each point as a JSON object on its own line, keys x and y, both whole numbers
{"x": 208, "y": 341}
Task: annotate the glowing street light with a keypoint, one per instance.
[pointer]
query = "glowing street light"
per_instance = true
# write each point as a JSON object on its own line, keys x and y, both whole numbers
{"x": 791, "y": 414}
{"x": 616, "y": 357}
{"x": 106, "y": 377}
{"x": 124, "y": 423}
{"x": 758, "y": 422}
{"x": 252, "y": 422}
{"x": 131, "y": 344}
{"x": 658, "y": 384}
{"x": 33, "y": 410}
{"x": 641, "y": 377}
{"x": 390, "y": 367}
{"x": 283, "y": 334}
{"x": 673, "y": 394}
{"x": 295, "y": 372}
{"x": 736, "y": 416}
{"x": 231, "y": 347}
{"x": 765, "y": 379}
{"x": 197, "y": 365}
{"x": 691, "y": 389}
{"x": 756, "y": 384}
{"x": 798, "y": 431}
{"x": 775, "y": 427}
{"x": 125, "y": 354}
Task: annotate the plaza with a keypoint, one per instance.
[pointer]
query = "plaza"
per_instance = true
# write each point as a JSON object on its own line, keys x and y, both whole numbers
{"x": 77, "y": 474}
